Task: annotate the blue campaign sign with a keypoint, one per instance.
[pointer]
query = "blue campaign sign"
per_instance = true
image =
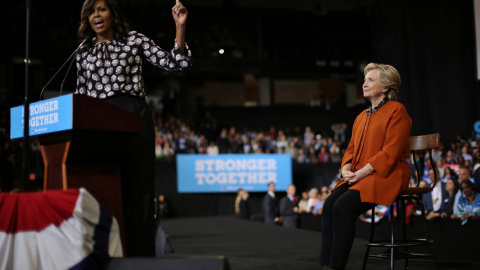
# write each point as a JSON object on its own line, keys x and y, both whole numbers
{"x": 476, "y": 127}
{"x": 229, "y": 172}
{"x": 46, "y": 116}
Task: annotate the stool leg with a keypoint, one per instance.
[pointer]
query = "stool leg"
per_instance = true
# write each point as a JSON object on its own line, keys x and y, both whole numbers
{"x": 372, "y": 232}
{"x": 426, "y": 235}
{"x": 404, "y": 225}
{"x": 392, "y": 240}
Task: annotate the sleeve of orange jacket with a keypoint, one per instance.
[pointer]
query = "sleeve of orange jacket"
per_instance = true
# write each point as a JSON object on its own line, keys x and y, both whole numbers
{"x": 348, "y": 156}
{"x": 397, "y": 138}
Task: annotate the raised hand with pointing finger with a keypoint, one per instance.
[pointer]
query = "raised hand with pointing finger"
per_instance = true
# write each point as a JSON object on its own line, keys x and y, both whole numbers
{"x": 180, "y": 13}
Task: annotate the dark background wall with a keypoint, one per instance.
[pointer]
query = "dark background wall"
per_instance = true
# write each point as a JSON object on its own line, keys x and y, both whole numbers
{"x": 432, "y": 43}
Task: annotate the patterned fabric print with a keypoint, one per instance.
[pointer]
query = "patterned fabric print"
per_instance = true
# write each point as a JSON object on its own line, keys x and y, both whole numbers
{"x": 371, "y": 110}
{"x": 113, "y": 67}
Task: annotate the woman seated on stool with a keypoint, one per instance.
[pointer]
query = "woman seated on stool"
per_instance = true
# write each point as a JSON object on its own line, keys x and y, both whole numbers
{"x": 374, "y": 168}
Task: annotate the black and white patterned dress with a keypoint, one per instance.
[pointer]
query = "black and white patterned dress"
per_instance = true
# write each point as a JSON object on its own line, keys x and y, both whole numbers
{"x": 113, "y": 67}
{"x": 112, "y": 71}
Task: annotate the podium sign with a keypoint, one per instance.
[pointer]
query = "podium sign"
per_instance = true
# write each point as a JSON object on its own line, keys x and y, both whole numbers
{"x": 46, "y": 116}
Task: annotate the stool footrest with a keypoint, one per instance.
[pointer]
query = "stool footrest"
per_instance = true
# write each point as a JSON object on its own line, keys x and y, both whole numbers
{"x": 399, "y": 255}
{"x": 399, "y": 243}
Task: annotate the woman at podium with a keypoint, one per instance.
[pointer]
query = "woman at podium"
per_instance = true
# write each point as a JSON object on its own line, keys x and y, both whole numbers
{"x": 109, "y": 67}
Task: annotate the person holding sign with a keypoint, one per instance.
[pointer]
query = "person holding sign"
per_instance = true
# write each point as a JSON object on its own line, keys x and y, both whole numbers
{"x": 374, "y": 168}
{"x": 109, "y": 67}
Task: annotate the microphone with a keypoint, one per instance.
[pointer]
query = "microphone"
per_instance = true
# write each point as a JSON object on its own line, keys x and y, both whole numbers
{"x": 73, "y": 54}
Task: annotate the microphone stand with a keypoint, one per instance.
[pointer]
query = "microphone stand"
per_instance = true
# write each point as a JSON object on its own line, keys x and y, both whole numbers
{"x": 56, "y": 73}
{"x": 26, "y": 114}
{"x": 66, "y": 75}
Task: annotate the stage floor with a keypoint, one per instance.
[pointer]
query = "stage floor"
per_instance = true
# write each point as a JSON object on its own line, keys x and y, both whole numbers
{"x": 255, "y": 245}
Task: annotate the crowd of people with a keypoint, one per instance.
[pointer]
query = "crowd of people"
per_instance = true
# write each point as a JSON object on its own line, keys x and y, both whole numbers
{"x": 454, "y": 195}
{"x": 304, "y": 145}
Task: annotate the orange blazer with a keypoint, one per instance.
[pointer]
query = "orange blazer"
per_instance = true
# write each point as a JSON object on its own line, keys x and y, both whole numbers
{"x": 381, "y": 139}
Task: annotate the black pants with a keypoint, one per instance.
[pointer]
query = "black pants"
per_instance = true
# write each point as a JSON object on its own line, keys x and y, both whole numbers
{"x": 138, "y": 179}
{"x": 339, "y": 215}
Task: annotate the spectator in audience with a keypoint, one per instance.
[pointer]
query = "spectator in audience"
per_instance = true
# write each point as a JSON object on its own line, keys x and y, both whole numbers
{"x": 380, "y": 212}
{"x": 449, "y": 173}
{"x": 339, "y": 132}
{"x": 272, "y": 132}
{"x": 212, "y": 149}
{"x": 318, "y": 143}
{"x": 270, "y": 205}
{"x": 432, "y": 201}
{"x": 464, "y": 174}
{"x": 167, "y": 150}
{"x": 469, "y": 165}
{"x": 240, "y": 192}
{"x": 451, "y": 159}
{"x": 476, "y": 178}
{"x": 246, "y": 145}
{"x": 308, "y": 136}
{"x": 325, "y": 191}
{"x": 465, "y": 153}
{"x": 302, "y": 205}
{"x": 242, "y": 207}
{"x": 163, "y": 209}
{"x": 282, "y": 141}
{"x": 182, "y": 143}
{"x": 158, "y": 145}
{"x": 321, "y": 197}
{"x": 452, "y": 195}
{"x": 289, "y": 208}
{"x": 441, "y": 167}
{"x": 335, "y": 152}
{"x": 292, "y": 150}
{"x": 236, "y": 143}
{"x": 324, "y": 155}
{"x": 312, "y": 157}
{"x": 317, "y": 208}
{"x": 437, "y": 154}
{"x": 208, "y": 126}
{"x": 312, "y": 199}
{"x": 223, "y": 142}
{"x": 469, "y": 203}
{"x": 412, "y": 207}
{"x": 302, "y": 156}
{"x": 335, "y": 181}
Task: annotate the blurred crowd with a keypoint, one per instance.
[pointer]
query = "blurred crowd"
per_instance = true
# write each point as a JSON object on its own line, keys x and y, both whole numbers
{"x": 304, "y": 145}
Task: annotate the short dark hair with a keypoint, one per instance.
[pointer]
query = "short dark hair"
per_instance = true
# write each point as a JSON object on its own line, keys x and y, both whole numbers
{"x": 469, "y": 184}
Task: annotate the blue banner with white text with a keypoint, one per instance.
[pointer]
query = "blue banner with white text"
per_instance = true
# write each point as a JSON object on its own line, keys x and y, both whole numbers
{"x": 51, "y": 115}
{"x": 229, "y": 172}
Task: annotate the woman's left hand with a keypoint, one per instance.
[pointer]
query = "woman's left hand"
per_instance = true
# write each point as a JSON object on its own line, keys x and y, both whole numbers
{"x": 179, "y": 13}
{"x": 357, "y": 176}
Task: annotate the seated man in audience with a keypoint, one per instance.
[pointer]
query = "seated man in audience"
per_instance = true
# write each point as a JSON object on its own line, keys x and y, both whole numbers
{"x": 432, "y": 201}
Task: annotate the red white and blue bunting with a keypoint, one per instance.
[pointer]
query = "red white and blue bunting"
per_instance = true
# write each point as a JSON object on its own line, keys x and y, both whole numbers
{"x": 58, "y": 229}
